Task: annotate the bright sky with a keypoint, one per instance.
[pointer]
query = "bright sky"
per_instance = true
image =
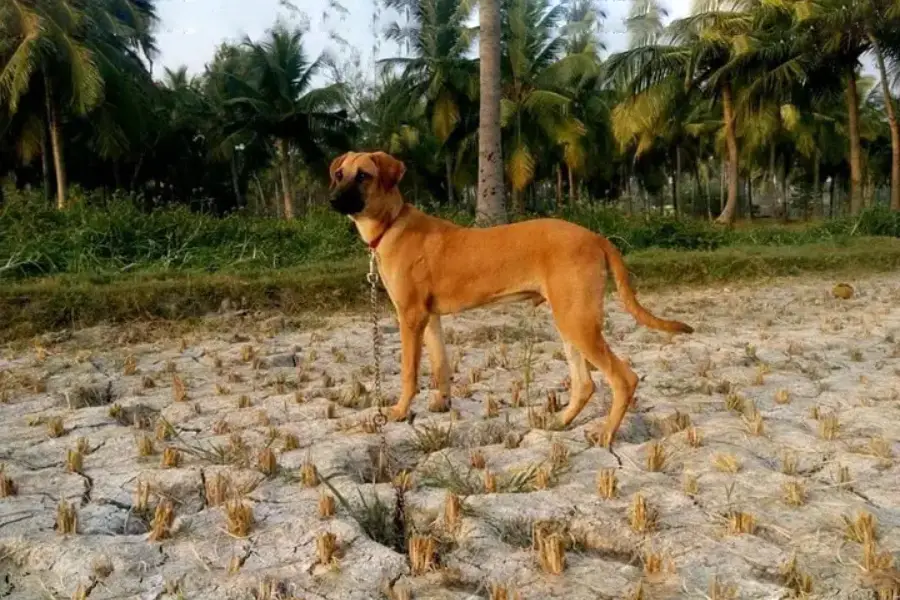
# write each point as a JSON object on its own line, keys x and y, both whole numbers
{"x": 191, "y": 29}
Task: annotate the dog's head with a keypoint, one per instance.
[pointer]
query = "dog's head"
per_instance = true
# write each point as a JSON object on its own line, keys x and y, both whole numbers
{"x": 365, "y": 183}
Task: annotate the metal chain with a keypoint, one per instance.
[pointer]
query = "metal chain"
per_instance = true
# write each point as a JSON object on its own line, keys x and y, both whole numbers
{"x": 380, "y": 419}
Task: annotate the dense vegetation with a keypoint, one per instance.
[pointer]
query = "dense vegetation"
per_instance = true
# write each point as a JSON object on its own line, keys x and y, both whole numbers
{"x": 177, "y": 191}
{"x": 743, "y": 103}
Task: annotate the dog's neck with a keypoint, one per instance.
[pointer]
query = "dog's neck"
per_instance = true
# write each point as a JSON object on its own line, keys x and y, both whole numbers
{"x": 372, "y": 228}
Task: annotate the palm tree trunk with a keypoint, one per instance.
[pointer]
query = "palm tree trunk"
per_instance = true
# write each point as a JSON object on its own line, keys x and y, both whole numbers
{"x": 749, "y": 198}
{"x": 56, "y": 144}
{"x": 892, "y": 123}
{"x": 236, "y": 183}
{"x": 559, "y": 186}
{"x": 816, "y": 190}
{"x": 723, "y": 177}
{"x": 727, "y": 215}
{"x": 831, "y": 207}
{"x": 675, "y": 180}
{"x": 285, "y": 171}
{"x": 855, "y": 144}
{"x": 448, "y": 172}
{"x": 771, "y": 178}
{"x": 571, "y": 187}
{"x": 45, "y": 163}
{"x": 490, "y": 205}
{"x": 785, "y": 195}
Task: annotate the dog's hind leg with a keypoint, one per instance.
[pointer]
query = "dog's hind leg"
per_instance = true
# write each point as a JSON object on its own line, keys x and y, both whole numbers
{"x": 577, "y": 310}
{"x": 437, "y": 355}
{"x": 582, "y": 387}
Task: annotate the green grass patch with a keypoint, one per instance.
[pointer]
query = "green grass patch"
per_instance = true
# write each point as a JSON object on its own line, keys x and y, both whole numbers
{"x": 36, "y": 305}
{"x": 107, "y": 238}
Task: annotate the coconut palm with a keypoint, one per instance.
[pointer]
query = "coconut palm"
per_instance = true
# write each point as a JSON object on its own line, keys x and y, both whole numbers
{"x": 72, "y": 50}
{"x": 536, "y": 106}
{"x": 439, "y": 71}
{"x": 278, "y": 101}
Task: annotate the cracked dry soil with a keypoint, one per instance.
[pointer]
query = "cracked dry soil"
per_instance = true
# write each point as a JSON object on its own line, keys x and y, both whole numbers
{"x": 768, "y": 435}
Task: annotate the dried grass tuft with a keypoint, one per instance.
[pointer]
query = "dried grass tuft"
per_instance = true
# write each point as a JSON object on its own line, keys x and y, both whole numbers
{"x": 690, "y": 485}
{"x": 238, "y": 517}
{"x": 179, "y": 389}
{"x": 829, "y": 427}
{"x": 326, "y": 546}
{"x": 862, "y": 529}
{"x": 55, "y": 427}
{"x": 309, "y": 475}
{"x": 490, "y": 482}
{"x": 163, "y": 518}
{"x": 326, "y": 506}
{"x": 74, "y": 461}
{"x": 782, "y": 397}
{"x": 267, "y": 462}
{"x": 727, "y": 463}
{"x": 291, "y": 442}
{"x": 66, "y": 518}
{"x": 800, "y": 583}
{"x": 491, "y": 407}
{"x": 452, "y": 512}
{"x": 422, "y": 554}
{"x": 502, "y": 592}
{"x": 145, "y": 446}
{"x": 551, "y": 550}
{"x": 216, "y": 490}
{"x": 7, "y": 485}
{"x": 641, "y": 516}
{"x": 171, "y": 458}
{"x": 607, "y": 484}
{"x": 476, "y": 459}
{"x": 741, "y": 523}
{"x": 655, "y": 456}
{"x": 694, "y": 438}
{"x": 794, "y": 493}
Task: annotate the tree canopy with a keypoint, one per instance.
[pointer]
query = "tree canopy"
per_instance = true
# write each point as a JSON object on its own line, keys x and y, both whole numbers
{"x": 741, "y": 108}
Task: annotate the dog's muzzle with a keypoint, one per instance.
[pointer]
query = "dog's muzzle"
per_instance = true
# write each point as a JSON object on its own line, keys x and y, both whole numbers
{"x": 348, "y": 201}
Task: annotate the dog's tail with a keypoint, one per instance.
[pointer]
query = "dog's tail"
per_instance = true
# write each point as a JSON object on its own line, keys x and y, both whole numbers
{"x": 640, "y": 314}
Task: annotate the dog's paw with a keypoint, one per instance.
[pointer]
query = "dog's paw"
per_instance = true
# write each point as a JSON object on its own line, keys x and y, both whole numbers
{"x": 396, "y": 414}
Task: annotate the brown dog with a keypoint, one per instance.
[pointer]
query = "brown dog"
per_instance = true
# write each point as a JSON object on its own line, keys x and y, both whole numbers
{"x": 432, "y": 267}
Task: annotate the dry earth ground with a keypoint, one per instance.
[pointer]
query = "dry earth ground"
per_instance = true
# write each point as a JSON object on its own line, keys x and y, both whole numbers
{"x": 761, "y": 456}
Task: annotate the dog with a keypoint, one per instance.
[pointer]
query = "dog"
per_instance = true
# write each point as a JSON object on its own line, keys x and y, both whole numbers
{"x": 432, "y": 267}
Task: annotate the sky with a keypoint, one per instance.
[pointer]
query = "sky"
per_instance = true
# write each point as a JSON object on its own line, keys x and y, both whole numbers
{"x": 190, "y": 30}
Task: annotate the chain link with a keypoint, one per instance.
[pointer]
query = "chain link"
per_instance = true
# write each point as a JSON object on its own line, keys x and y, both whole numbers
{"x": 380, "y": 419}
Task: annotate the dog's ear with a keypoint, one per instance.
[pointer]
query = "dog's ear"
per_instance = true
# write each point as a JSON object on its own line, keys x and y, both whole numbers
{"x": 335, "y": 165}
{"x": 390, "y": 170}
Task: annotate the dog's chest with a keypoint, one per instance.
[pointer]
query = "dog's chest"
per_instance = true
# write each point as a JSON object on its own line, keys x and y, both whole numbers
{"x": 403, "y": 280}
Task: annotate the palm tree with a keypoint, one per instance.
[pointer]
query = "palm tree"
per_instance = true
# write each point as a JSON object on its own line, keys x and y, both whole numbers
{"x": 536, "y": 108}
{"x": 439, "y": 70}
{"x": 490, "y": 207}
{"x": 68, "y": 49}
{"x": 881, "y": 21}
{"x": 836, "y": 35}
{"x": 278, "y": 101}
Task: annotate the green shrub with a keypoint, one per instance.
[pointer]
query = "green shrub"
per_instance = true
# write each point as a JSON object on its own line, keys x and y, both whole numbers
{"x": 104, "y": 237}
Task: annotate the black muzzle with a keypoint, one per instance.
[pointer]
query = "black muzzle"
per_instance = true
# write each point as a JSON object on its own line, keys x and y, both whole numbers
{"x": 348, "y": 201}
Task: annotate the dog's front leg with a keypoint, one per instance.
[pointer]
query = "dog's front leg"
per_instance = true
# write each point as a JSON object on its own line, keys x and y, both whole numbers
{"x": 412, "y": 327}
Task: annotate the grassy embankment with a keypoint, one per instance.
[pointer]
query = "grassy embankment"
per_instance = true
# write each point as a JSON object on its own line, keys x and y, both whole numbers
{"x": 116, "y": 263}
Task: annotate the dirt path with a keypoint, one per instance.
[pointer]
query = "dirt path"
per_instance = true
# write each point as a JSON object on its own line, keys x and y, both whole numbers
{"x": 792, "y": 395}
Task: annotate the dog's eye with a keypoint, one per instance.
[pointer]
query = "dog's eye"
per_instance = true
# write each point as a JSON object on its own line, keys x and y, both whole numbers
{"x": 361, "y": 176}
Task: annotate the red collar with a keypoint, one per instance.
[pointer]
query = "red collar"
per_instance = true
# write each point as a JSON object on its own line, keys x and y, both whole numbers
{"x": 373, "y": 245}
